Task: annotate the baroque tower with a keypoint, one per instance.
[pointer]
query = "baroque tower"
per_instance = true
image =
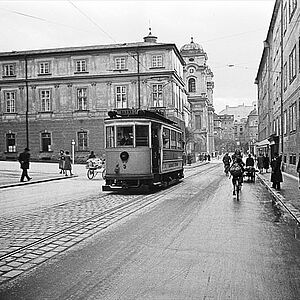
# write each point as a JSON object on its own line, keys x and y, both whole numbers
{"x": 200, "y": 85}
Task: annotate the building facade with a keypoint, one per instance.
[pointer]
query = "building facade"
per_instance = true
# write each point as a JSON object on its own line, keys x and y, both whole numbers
{"x": 51, "y": 99}
{"x": 199, "y": 82}
{"x": 278, "y": 83}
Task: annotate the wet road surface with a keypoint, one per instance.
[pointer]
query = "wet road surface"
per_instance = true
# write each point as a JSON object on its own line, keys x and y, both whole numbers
{"x": 196, "y": 242}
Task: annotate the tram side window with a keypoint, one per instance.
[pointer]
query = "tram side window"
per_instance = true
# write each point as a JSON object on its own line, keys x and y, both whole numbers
{"x": 125, "y": 136}
{"x": 142, "y": 135}
{"x": 179, "y": 140}
{"x": 110, "y": 137}
{"x": 173, "y": 139}
{"x": 166, "y": 138}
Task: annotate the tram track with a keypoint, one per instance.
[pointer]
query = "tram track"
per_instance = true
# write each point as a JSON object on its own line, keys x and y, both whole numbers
{"x": 78, "y": 231}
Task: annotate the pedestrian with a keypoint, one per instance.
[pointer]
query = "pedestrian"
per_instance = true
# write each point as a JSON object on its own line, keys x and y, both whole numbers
{"x": 68, "y": 163}
{"x": 260, "y": 163}
{"x": 61, "y": 162}
{"x": 266, "y": 163}
{"x": 24, "y": 159}
{"x": 92, "y": 155}
{"x": 298, "y": 170}
{"x": 276, "y": 175}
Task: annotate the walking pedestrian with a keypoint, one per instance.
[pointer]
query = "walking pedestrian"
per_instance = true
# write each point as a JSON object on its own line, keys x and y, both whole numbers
{"x": 24, "y": 159}
{"x": 260, "y": 162}
{"x": 298, "y": 170}
{"x": 276, "y": 175}
{"x": 266, "y": 163}
{"x": 61, "y": 162}
{"x": 68, "y": 163}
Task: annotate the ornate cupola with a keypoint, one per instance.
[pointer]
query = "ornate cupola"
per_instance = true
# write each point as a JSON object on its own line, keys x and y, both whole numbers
{"x": 150, "y": 38}
{"x": 191, "y": 48}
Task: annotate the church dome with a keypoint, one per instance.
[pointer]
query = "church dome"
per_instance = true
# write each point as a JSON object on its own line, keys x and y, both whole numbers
{"x": 192, "y": 47}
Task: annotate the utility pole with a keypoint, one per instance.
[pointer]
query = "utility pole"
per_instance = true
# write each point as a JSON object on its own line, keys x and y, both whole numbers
{"x": 27, "y": 103}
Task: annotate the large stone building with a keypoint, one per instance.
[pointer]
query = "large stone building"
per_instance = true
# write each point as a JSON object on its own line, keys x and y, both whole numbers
{"x": 50, "y": 99}
{"x": 199, "y": 81}
{"x": 278, "y": 83}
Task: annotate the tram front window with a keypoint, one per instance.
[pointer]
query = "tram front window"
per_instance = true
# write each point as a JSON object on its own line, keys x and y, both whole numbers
{"x": 125, "y": 136}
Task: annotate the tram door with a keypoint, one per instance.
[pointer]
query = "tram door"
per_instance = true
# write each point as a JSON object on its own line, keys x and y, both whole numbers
{"x": 155, "y": 147}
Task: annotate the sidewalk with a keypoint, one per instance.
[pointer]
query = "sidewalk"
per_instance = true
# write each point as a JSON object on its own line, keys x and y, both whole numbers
{"x": 289, "y": 195}
{"x": 10, "y": 173}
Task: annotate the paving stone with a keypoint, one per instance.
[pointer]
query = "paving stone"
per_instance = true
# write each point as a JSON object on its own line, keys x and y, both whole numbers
{"x": 5, "y": 268}
{"x": 26, "y": 266}
{"x": 13, "y": 273}
{"x": 14, "y": 264}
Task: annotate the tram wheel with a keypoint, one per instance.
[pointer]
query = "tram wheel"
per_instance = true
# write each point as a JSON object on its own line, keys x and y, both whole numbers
{"x": 90, "y": 174}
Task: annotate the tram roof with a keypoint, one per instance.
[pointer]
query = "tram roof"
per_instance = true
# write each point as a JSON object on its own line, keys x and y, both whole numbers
{"x": 120, "y": 114}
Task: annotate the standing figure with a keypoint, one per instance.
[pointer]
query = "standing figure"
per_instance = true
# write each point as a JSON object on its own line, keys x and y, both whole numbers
{"x": 61, "y": 162}
{"x": 24, "y": 159}
{"x": 266, "y": 163}
{"x": 92, "y": 155}
{"x": 298, "y": 170}
{"x": 68, "y": 163}
{"x": 260, "y": 163}
{"x": 276, "y": 175}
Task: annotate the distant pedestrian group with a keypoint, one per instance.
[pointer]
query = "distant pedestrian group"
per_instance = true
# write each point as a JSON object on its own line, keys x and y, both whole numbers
{"x": 65, "y": 163}
{"x": 263, "y": 162}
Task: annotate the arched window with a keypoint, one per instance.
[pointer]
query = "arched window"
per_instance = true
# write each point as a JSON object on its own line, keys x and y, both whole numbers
{"x": 192, "y": 85}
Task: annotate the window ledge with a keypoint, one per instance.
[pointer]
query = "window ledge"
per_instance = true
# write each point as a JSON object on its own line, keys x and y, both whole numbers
{"x": 119, "y": 70}
{"x": 162, "y": 67}
{"x": 46, "y": 112}
{"x": 46, "y": 74}
{"x": 83, "y": 72}
{"x": 9, "y": 76}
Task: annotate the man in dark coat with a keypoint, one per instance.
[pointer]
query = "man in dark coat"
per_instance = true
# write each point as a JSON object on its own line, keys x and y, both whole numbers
{"x": 24, "y": 159}
{"x": 276, "y": 176}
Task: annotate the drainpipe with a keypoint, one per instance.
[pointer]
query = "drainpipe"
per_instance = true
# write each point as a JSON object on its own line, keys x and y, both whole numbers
{"x": 282, "y": 75}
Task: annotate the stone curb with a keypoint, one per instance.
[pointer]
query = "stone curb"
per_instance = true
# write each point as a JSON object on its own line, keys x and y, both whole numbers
{"x": 34, "y": 182}
{"x": 295, "y": 213}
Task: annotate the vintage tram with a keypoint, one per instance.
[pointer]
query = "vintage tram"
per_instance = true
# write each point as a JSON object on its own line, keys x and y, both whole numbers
{"x": 143, "y": 148}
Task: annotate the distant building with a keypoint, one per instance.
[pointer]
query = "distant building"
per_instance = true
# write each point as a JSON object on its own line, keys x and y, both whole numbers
{"x": 239, "y": 112}
{"x": 199, "y": 82}
{"x": 251, "y": 131}
{"x": 65, "y": 94}
{"x": 278, "y": 81}
{"x": 238, "y": 128}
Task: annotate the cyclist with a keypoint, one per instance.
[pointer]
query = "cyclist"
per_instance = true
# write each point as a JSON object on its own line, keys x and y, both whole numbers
{"x": 237, "y": 170}
{"x": 226, "y": 161}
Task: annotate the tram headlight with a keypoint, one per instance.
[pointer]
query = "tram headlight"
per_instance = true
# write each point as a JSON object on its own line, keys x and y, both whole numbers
{"x": 124, "y": 156}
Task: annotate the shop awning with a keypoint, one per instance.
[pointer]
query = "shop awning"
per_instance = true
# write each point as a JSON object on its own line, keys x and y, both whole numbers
{"x": 263, "y": 143}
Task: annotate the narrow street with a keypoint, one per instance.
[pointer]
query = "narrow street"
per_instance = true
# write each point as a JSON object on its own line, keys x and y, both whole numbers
{"x": 191, "y": 241}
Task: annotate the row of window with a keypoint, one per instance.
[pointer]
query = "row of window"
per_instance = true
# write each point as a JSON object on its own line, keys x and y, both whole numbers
{"x": 80, "y": 66}
{"x": 288, "y": 12}
{"x": 289, "y": 120}
{"x": 46, "y": 99}
{"x": 138, "y": 135}
{"x": 46, "y": 142}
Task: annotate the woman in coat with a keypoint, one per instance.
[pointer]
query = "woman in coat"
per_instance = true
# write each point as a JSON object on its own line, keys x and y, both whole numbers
{"x": 61, "y": 162}
{"x": 276, "y": 175}
{"x": 68, "y": 164}
{"x": 266, "y": 163}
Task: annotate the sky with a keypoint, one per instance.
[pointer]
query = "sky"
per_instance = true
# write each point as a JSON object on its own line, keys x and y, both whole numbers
{"x": 230, "y": 32}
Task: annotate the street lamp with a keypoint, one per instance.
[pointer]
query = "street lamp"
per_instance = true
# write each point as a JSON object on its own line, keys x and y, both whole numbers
{"x": 73, "y": 151}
